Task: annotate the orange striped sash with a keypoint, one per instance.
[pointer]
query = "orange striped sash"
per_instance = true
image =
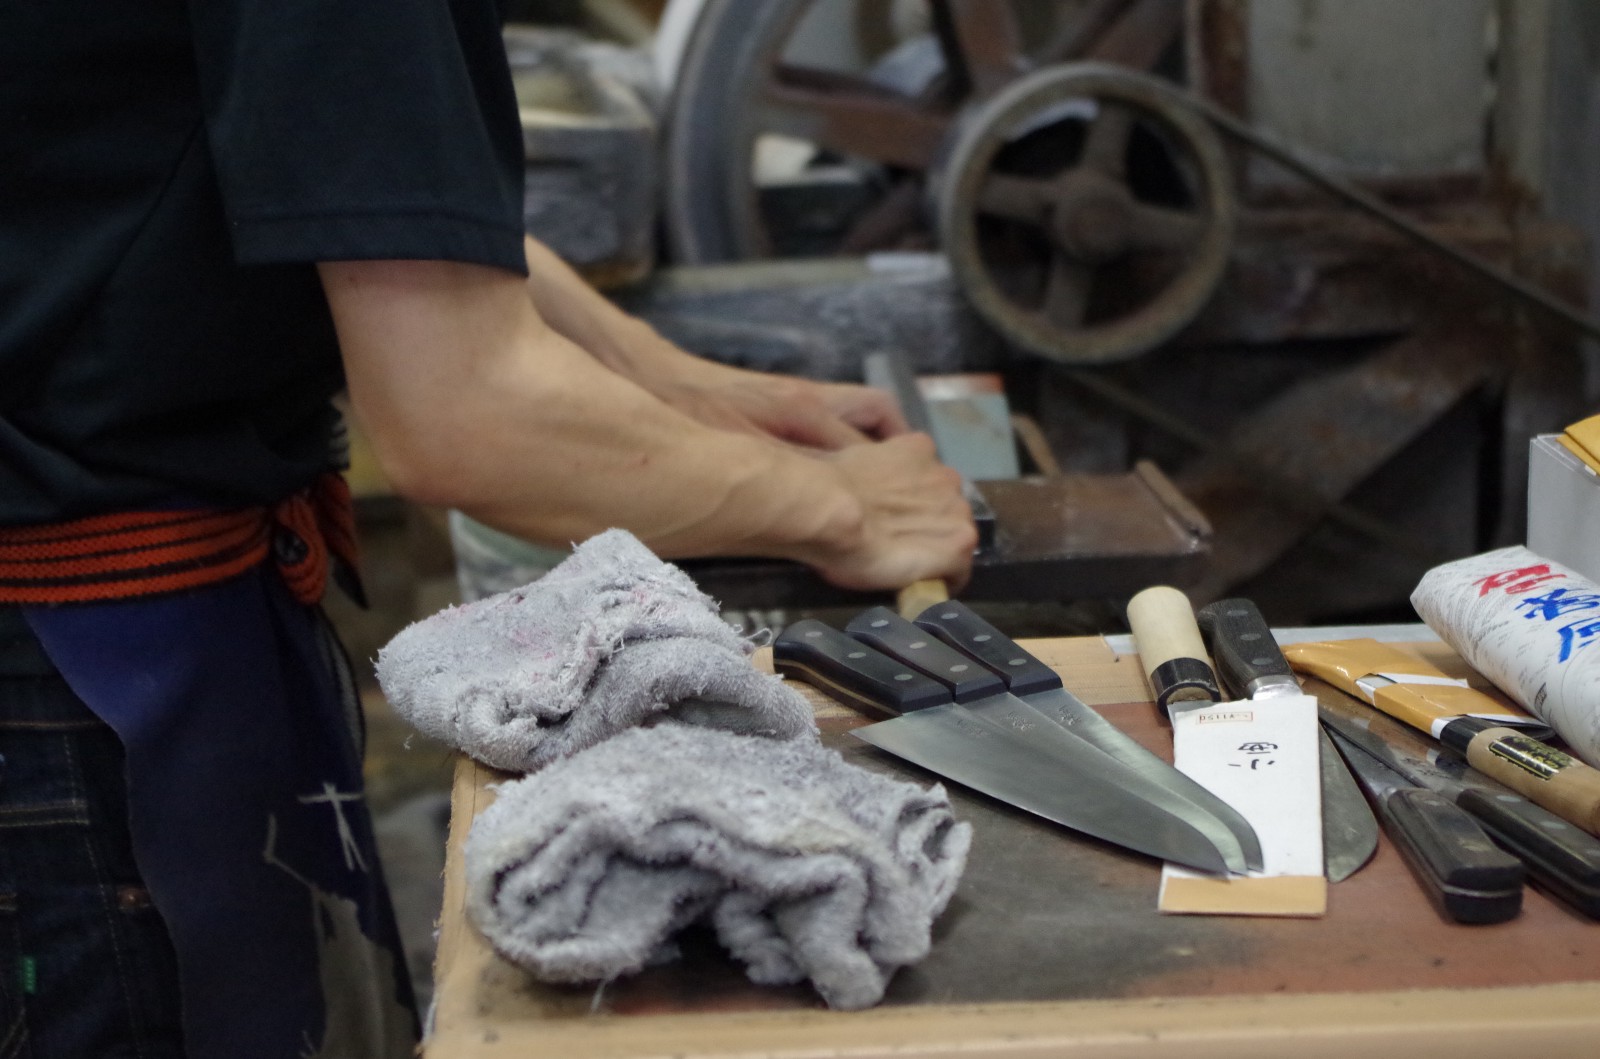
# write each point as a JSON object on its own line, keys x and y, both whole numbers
{"x": 146, "y": 553}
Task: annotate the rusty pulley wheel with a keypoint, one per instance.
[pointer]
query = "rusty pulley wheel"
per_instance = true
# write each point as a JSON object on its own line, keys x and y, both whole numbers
{"x": 1087, "y": 212}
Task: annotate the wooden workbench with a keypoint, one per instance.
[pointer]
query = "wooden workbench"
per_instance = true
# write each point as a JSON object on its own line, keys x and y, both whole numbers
{"x": 1053, "y": 946}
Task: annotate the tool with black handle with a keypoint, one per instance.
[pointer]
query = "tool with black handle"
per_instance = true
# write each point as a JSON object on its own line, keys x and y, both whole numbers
{"x": 1041, "y": 688}
{"x": 928, "y": 728}
{"x": 1561, "y": 859}
{"x": 986, "y": 696}
{"x": 1252, "y": 665}
{"x": 1467, "y": 877}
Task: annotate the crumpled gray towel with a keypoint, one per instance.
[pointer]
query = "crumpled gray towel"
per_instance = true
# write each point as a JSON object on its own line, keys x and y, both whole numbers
{"x": 606, "y": 639}
{"x": 807, "y": 867}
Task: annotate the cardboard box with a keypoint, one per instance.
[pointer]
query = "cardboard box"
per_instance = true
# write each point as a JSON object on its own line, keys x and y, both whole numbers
{"x": 1563, "y": 506}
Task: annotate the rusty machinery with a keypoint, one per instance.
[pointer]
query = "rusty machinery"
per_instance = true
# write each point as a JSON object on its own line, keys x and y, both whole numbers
{"x": 1328, "y": 388}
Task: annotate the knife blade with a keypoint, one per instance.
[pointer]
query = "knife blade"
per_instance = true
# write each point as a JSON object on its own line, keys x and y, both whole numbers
{"x": 1561, "y": 859}
{"x": 929, "y": 728}
{"x": 987, "y": 697}
{"x": 888, "y": 371}
{"x": 1041, "y": 687}
{"x": 1252, "y": 666}
{"x": 1262, "y": 761}
{"x": 1467, "y": 877}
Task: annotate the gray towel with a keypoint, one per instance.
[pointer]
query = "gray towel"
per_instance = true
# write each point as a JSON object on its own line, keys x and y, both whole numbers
{"x": 807, "y": 867}
{"x": 606, "y": 639}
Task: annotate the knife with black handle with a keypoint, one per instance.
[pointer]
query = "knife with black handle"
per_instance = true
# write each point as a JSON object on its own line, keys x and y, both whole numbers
{"x": 1467, "y": 877}
{"x": 1561, "y": 859}
{"x": 934, "y": 731}
{"x": 1041, "y": 687}
{"x": 1252, "y": 665}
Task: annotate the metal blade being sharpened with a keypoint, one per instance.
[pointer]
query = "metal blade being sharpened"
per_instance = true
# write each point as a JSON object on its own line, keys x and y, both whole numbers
{"x": 931, "y": 730}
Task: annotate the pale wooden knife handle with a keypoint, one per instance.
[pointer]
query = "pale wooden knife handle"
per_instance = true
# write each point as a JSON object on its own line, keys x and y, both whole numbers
{"x": 1539, "y": 772}
{"x": 1170, "y": 648}
{"x": 919, "y": 596}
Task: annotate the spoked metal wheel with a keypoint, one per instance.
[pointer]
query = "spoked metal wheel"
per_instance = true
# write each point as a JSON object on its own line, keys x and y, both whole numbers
{"x": 807, "y": 127}
{"x": 1087, "y": 212}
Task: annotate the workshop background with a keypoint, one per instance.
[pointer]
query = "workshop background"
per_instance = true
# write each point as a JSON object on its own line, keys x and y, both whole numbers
{"x": 1181, "y": 280}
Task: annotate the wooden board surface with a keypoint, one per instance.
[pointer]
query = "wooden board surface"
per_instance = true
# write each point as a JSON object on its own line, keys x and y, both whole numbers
{"x": 1053, "y": 945}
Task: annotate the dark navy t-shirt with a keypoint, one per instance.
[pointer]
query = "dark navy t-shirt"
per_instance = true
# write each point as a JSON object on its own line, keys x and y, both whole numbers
{"x": 169, "y": 173}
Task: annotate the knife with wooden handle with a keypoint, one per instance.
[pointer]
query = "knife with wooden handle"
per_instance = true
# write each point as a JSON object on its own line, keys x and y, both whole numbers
{"x": 1170, "y": 649}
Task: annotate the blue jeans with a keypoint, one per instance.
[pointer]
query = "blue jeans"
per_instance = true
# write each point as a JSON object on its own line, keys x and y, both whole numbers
{"x": 86, "y": 965}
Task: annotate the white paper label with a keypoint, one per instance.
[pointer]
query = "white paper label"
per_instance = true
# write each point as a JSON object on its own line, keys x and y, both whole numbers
{"x": 1261, "y": 757}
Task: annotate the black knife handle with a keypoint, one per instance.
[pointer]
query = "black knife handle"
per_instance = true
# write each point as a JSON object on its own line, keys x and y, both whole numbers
{"x": 1242, "y": 644}
{"x": 849, "y": 670}
{"x": 958, "y": 626}
{"x": 896, "y": 637}
{"x": 1468, "y": 878}
{"x": 1561, "y": 858}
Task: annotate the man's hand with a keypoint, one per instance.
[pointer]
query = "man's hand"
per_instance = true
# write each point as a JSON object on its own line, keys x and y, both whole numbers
{"x": 915, "y": 523}
{"x": 818, "y": 415}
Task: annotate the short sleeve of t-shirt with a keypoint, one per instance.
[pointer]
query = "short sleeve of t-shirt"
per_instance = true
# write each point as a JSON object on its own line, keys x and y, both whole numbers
{"x": 362, "y": 129}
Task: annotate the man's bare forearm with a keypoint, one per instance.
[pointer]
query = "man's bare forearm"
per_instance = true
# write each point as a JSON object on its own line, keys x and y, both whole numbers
{"x": 578, "y": 312}
{"x": 473, "y": 402}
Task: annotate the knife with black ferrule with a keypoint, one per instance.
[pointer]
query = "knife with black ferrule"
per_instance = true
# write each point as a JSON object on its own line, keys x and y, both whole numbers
{"x": 1467, "y": 877}
{"x": 1560, "y": 858}
{"x": 1041, "y": 688}
{"x": 948, "y": 738}
{"x": 1252, "y": 665}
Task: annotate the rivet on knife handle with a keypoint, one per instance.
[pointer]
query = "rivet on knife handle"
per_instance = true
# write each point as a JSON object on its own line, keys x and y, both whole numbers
{"x": 958, "y": 626}
{"x": 896, "y": 637}
{"x": 1170, "y": 649}
{"x": 831, "y": 661}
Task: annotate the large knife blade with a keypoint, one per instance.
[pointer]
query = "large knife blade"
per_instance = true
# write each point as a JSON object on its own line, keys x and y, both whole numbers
{"x": 1467, "y": 877}
{"x": 986, "y": 696}
{"x": 930, "y": 729}
{"x": 1252, "y": 666}
{"x": 1562, "y": 859}
{"x": 1041, "y": 688}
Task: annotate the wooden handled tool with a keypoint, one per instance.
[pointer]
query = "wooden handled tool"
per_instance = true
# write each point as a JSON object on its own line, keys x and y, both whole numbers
{"x": 1170, "y": 648}
{"x": 919, "y": 596}
{"x": 1534, "y": 769}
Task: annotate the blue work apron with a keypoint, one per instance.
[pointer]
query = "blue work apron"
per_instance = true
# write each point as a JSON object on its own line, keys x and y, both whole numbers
{"x": 247, "y": 810}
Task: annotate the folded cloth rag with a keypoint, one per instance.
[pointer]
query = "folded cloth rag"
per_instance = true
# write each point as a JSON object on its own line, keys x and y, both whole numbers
{"x": 806, "y": 867}
{"x": 606, "y": 639}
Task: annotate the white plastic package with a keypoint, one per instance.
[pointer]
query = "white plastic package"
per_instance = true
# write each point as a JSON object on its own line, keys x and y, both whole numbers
{"x": 1530, "y": 625}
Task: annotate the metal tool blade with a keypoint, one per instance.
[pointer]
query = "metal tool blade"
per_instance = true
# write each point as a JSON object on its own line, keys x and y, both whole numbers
{"x": 983, "y": 693}
{"x": 888, "y": 371}
{"x": 948, "y": 741}
{"x": 1349, "y": 831}
{"x": 1219, "y": 821}
{"x": 932, "y": 730}
{"x": 1562, "y": 858}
